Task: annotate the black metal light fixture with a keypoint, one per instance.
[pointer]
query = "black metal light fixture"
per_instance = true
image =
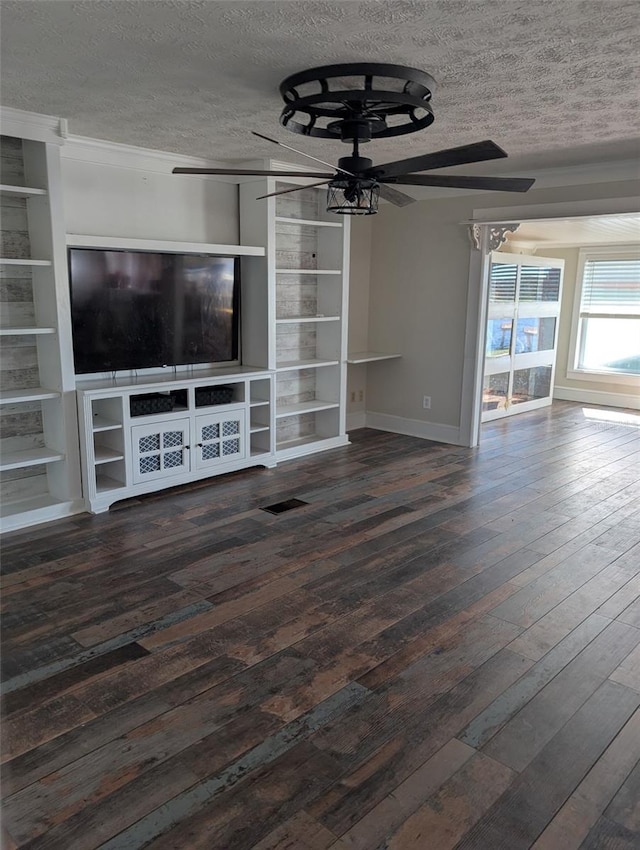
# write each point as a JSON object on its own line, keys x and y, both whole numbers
{"x": 358, "y": 102}
{"x": 353, "y": 197}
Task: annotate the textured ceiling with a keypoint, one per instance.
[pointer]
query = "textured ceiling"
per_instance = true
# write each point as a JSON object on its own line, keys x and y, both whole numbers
{"x": 554, "y": 82}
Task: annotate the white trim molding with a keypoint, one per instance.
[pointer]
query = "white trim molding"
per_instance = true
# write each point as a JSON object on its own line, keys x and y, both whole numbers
{"x": 597, "y": 397}
{"x": 415, "y": 428}
{"x": 31, "y": 125}
{"x": 125, "y": 243}
{"x": 356, "y": 420}
{"x": 101, "y": 152}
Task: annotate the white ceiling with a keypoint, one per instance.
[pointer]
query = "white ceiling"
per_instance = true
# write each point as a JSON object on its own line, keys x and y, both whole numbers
{"x": 599, "y": 230}
{"x": 555, "y": 82}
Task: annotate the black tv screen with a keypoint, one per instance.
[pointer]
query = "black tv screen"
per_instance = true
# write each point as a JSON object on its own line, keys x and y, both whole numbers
{"x": 137, "y": 309}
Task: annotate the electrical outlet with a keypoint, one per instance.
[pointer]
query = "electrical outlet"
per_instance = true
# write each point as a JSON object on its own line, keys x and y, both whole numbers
{"x": 353, "y": 396}
{"x": 360, "y": 395}
{"x": 426, "y": 402}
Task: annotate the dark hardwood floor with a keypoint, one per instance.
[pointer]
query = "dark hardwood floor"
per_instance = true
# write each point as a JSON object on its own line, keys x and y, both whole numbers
{"x": 442, "y": 649}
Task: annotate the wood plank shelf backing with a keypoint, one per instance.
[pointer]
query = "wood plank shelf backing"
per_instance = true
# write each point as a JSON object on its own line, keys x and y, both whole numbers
{"x": 309, "y": 271}
{"x": 281, "y": 219}
{"x": 300, "y": 320}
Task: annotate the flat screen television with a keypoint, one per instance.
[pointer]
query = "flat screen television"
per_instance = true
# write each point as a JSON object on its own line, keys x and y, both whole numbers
{"x": 140, "y": 310}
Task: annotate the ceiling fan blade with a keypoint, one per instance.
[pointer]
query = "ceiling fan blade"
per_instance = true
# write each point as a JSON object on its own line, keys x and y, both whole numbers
{"x": 295, "y": 150}
{"x": 455, "y": 181}
{"x": 476, "y": 152}
{"x": 395, "y": 197}
{"x": 295, "y": 189}
{"x": 240, "y": 172}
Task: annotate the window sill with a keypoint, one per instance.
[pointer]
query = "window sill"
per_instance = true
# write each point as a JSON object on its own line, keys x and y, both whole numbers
{"x": 603, "y": 377}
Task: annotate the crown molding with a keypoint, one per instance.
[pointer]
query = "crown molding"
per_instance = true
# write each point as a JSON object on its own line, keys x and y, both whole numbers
{"x": 32, "y": 125}
{"x": 103, "y": 152}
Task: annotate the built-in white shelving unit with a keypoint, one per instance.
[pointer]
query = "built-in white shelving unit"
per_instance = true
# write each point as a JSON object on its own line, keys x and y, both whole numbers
{"x": 305, "y": 302}
{"x": 39, "y": 458}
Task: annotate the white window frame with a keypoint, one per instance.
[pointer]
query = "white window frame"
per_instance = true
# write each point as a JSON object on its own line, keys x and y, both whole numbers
{"x": 622, "y": 252}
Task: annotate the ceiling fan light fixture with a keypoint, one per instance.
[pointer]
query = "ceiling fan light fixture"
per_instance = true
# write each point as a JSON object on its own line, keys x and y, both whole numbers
{"x": 353, "y": 197}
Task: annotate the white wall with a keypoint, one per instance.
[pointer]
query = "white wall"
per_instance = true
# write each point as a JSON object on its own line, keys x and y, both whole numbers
{"x": 359, "y": 281}
{"x": 418, "y": 296}
{"x": 138, "y": 197}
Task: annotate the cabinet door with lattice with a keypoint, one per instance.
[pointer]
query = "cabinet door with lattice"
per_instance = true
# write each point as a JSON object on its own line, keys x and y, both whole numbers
{"x": 220, "y": 437}
{"x": 160, "y": 449}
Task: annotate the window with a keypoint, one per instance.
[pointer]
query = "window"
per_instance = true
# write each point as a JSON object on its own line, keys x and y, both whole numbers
{"x": 607, "y": 322}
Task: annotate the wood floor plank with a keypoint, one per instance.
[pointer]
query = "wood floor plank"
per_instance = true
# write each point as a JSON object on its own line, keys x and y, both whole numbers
{"x": 455, "y": 808}
{"x": 535, "y": 725}
{"x": 486, "y": 724}
{"x": 439, "y": 649}
{"x": 390, "y": 813}
{"x": 409, "y": 739}
{"x": 588, "y": 802}
{"x": 301, "y": 832}
{"x": 518, "y": 817}
{"x": 612, "y": 836}
{"x": 628, "y": 673}
{"x": 624, "y": 809}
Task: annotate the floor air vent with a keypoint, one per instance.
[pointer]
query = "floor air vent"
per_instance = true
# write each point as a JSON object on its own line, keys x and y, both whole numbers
{"x": 287, "y": 505}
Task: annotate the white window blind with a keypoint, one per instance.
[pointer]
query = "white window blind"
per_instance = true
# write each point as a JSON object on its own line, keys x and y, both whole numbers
{"x": 608, "y": 321}
{"x": 611, "y": 288}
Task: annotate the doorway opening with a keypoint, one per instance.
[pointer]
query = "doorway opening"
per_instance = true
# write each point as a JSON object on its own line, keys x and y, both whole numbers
{"x": 537, "y": 307}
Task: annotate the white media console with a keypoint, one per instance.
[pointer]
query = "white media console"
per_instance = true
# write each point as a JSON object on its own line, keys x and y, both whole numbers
{"x": 208, "y": 422}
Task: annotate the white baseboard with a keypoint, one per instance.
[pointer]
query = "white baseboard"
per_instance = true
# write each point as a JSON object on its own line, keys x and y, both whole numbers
{"x": 415, "y": 428}
{"x": 356, "y": 420}
{"x": 631, "y": 400}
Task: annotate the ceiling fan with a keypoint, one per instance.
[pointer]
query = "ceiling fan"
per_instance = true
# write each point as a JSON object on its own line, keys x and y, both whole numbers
{"x": 358, "y": 102}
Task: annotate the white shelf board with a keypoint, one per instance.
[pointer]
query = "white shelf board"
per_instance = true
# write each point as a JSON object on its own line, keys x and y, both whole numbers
{"x": 299, "y": 441}
{"x": 299, "y": 320}
{"x": 308, "y": 271}
{"x": 21, "y": 191}
{"x": 304, "y": 407}
{"x": 29, "y": 457}
{"x": 261, "y": 453}
{"x": 288, "y": 449}
{"x": 105, "y": 484}
{"x": 283, "y": 219}
{"x": 258, "y": 402}
{"x": 291, "y": 365}
{"x": 34, "y": 394}
{"x": 138, "y": 383}
{"x": 370, "y": 357}
{"x": 105, "y": 455}
{"x": 124, "y": 243}
{"x": 257, "y": 429}
{"x": 25, "y": 331}
{"x": 25, "y": 506}
{"x": 13, "y": 261}
{"x": 102, "y": 424}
